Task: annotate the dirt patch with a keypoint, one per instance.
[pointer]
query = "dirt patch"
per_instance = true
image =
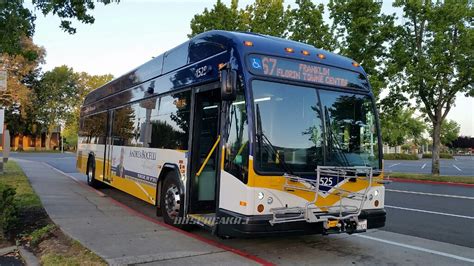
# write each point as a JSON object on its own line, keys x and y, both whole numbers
{"x": 57, "y": 248}
{"x": 29, "y": 220}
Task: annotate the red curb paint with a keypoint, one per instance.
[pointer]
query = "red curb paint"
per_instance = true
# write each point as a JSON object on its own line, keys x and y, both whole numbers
{"x": 403, "y": 180}
{"x": 200, "y": 238}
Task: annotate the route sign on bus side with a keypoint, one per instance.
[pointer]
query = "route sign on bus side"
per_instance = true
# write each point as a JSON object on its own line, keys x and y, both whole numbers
{"x": 3, "y": 80}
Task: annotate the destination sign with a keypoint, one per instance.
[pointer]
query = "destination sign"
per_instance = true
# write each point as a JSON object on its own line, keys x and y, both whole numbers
{"x": 305, "y": 71}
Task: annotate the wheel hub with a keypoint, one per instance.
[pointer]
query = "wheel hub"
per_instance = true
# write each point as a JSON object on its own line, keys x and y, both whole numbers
{"x": 172, "y": 201}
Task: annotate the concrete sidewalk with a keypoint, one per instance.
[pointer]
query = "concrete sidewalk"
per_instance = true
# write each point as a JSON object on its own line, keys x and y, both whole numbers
{"x": 112, "y": 232}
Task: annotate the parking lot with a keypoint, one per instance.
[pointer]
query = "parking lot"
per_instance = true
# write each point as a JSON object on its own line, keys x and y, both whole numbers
{"x": 459, "y": 166}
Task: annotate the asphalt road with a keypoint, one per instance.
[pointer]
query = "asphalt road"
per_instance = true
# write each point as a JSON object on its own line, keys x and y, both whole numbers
{"x": 441, "y": 213}
{"x": 459, "y": 166}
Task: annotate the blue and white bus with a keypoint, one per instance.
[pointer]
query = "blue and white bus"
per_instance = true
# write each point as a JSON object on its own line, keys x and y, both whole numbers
{"x": 241, "y": 133}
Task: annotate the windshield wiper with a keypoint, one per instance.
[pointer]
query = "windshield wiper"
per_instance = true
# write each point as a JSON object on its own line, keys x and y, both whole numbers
{"x": 263, "y": 138}
{"x": 334, "y": 139}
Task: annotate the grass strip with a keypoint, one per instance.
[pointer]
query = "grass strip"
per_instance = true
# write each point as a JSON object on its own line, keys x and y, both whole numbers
{"x": 429, "y": 177}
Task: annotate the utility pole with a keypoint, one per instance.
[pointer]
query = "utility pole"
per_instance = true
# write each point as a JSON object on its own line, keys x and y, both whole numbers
{"x": 3, "y": 89}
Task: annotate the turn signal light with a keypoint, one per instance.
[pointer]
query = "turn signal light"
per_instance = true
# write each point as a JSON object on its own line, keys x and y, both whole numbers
{"x": 260, "y": 208}
{"x": 248, "y": 43}
{"x": 289, "y": 50}
{"x": 376, "y": 203}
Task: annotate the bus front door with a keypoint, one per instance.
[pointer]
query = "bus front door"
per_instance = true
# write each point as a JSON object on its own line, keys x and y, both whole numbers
{"x": 204, "y": 152}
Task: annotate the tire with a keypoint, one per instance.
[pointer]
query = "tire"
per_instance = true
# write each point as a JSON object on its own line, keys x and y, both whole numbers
{"x": 90, "y": 173}
{"x": 172, "y": 201}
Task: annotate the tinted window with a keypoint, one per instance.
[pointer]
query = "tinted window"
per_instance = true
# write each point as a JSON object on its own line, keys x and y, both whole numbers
{"x": 125, "y": 126}
{"x": 237, "y": 148}
{"x": 170, "y": 128}
{"x": 176, "y": 58}
{"x": 93, "y": 129}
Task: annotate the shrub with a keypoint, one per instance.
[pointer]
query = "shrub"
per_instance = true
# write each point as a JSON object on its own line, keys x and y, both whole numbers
{"x": 400, "y": 156}
{"x": 441, "y": 155}
{"x": 8, "y": 211}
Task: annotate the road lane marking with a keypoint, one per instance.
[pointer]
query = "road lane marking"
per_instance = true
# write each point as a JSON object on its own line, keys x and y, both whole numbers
{"x": 444, "y": 254}
{"x": 423, "y": 166}
{"x": 430, "y": 194}
{"x": 393, "y": 165}
{"x": 457, "y": 168}
{"x": 431, "y": 212}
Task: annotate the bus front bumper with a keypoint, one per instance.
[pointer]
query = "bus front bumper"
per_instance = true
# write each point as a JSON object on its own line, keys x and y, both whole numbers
{"x": 259, "y": 225}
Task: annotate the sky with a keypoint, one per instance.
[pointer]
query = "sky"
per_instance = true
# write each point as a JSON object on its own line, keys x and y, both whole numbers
{"x": 128, "y": 34}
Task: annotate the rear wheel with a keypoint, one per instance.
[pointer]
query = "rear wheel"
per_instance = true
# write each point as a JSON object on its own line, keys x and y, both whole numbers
{"x": 172, "y": 201}
{"x": 90, "y": 173}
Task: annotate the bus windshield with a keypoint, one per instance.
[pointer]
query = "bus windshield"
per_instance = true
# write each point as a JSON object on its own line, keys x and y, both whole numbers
{"x": 299, "y": 128}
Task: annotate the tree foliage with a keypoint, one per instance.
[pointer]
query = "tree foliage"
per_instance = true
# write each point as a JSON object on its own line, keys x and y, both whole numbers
{"x": 400, "y": 125}
{"x": 17, "y": 21}
{"x": 85, "y": 84}
{"x": 220, "y": 17}
{"x": 433, "y": 57}
{"x": 449, "y": 131}
{"x": 362, "y": 33}
{"x": 306, "y": 24}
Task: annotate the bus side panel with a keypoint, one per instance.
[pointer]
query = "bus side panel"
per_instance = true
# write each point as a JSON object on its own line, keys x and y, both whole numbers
{"x": 135, "y": 170}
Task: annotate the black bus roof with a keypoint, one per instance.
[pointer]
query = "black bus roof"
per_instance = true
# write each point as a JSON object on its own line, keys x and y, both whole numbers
{"x": 213, "y": 42}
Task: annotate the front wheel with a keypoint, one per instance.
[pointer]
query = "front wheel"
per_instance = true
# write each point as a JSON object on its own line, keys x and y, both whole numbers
{"x": 172, "y": 202}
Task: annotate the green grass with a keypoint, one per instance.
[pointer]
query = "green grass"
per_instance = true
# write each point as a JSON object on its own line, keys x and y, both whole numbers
{"x": 60, "y": 251}
{"x": 40, "y": 234}
{"x": 76, "y": 255}
{"x": 25, "y": 196}
{"x": 400, "y": 156}
{"x": 429, "y": 177}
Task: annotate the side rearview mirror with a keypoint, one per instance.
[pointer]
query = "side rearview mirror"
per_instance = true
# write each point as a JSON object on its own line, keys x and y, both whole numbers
{"x": 228, "y": 84}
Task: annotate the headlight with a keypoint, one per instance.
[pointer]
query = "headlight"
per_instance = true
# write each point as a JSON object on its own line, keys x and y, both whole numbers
{"x": 371, "y": 197}
{"x": 270, "y": 200}
{"x": 376, "y": 192}
{"x": 260, "y": 195}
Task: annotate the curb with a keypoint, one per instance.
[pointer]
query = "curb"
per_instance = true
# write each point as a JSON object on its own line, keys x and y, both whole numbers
{"x": 5, "y": 251}
{"x": 403, "y": 180}
{"x": 29, "y": 258}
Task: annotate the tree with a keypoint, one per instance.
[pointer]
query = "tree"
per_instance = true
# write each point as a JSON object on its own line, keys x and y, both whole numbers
{"x": 307, "y": 25}
{"x": 449, "y": 132}
{"x": 17, "y": 22}
{"x": 220, "y": 17}
{"x": 400, "y": 125}
{"x": 23, "y": 70}
{"x": 85, "y": 84}
{"x": 266, "y": 17}
{"x": 363, "y": 33}
{"x": 263, "y": 16}
{"x": 56, "y": 96}
{"x": 433, "y": 55}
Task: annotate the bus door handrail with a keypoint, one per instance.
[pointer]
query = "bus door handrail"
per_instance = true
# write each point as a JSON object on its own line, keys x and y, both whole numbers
{"x": 208, "y": 156}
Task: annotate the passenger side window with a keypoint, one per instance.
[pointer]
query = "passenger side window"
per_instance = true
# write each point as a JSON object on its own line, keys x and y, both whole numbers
{"x": 93, "y": 129}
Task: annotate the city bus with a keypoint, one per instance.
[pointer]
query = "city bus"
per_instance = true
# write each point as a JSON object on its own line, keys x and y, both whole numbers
{"x": 243, "y": 134}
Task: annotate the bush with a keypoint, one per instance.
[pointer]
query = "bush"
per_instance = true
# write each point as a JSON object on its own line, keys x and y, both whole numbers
{"x": 400, "y": 156}
{"x": 441, "y": 155}
{"x": 8, "y": 211}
